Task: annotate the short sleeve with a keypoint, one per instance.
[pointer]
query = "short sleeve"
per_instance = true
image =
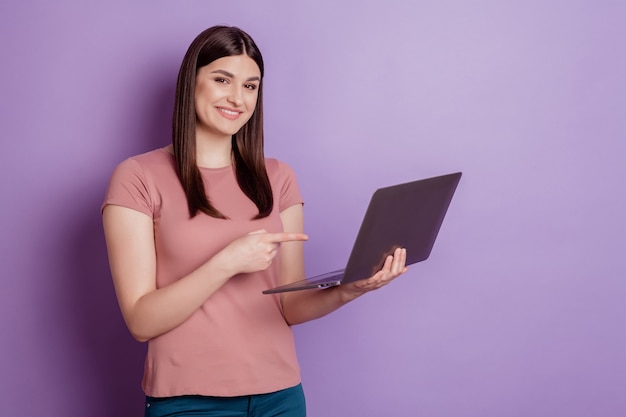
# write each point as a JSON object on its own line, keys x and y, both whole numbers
{"x": 289, "y": 189}
{"x": 128, "y": 187}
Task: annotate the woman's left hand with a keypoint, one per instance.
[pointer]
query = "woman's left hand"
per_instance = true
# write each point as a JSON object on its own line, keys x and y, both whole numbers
{"x": 394, "y": 266}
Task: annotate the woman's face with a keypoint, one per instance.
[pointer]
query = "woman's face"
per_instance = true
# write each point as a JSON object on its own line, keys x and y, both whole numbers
{"x": 226, "y": 94}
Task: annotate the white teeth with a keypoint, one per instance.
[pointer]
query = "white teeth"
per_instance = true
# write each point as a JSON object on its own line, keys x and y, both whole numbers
{"x": 229, "y": 112}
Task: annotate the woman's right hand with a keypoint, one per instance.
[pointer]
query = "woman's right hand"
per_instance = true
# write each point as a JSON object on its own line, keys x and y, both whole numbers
{"x": 254, "y": 252}
{"x": 150, "y": 312}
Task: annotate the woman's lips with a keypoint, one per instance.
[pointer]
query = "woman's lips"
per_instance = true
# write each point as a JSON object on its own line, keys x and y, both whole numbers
{"x": 229, "y": 114}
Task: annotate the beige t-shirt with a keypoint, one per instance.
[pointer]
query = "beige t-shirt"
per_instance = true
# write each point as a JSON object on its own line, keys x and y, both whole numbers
{"x": 238, "y": 342}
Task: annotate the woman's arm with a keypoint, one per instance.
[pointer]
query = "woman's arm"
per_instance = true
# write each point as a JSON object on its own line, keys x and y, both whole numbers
{"x": 150, "y": 312}
{"x": 302, "y": 306}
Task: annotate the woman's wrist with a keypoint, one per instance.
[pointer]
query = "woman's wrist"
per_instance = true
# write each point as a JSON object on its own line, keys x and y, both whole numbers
{"x": 348, "y": 293}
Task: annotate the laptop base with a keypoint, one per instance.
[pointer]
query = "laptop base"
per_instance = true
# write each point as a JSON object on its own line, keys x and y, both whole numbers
{"x": 330, "y": 279}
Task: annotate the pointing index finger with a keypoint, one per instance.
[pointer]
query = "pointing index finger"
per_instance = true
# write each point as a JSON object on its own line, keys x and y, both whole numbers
{"x": 286, "y": 237}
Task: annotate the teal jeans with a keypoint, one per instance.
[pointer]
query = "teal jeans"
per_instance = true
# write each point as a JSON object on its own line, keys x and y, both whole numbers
{"x": 285, "y": 403}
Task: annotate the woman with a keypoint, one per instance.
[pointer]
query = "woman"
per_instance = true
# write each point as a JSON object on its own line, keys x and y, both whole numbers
{"x": 195, "y": 231}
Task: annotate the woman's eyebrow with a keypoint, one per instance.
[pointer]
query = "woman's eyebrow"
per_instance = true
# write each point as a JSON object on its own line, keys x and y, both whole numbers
{"x": 231, "y": 75}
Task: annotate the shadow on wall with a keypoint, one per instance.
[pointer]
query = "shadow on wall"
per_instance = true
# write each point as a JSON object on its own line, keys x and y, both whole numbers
{"x": 112, "y": 361}
{"x": 107, "y": 361}
{"x": 156, "y": 112}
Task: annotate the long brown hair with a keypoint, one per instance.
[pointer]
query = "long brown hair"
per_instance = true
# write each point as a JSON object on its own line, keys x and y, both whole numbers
{"x": 247, "y": 144}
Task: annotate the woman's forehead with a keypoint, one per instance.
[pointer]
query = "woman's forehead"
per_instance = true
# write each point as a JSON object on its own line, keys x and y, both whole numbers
{"x": 235, "y": 66}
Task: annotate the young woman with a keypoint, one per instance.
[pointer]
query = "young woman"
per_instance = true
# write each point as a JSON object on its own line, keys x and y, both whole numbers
{"x": 197, "y": 230}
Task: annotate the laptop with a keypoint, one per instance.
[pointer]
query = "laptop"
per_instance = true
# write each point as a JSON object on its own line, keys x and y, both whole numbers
{"x": 407, "y": 215}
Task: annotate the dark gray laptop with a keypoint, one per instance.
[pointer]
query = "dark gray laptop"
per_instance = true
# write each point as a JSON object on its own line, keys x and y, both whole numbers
{"x": 405, "y": 215}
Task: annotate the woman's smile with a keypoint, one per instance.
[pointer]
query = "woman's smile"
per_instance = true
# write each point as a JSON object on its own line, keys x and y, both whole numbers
{"x": 228, "y": 113}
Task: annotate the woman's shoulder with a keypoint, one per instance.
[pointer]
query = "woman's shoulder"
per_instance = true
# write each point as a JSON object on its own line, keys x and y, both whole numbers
{"x": 144, "y": 166}
{"x": 274, "y": 165}
{"x": 279, "y": 171}
{"x": 157, "y": 156}
{"x": 284, "y": 181}
{"x": 147, "y": 161}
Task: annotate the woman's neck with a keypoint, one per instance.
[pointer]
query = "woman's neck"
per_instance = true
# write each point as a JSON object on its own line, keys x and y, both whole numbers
{"x": 213, "y": 152}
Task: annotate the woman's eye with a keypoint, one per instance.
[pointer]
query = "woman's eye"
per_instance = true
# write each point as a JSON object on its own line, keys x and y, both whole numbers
{"x": 221, "y": 80}
{"x": 251, "y": 86}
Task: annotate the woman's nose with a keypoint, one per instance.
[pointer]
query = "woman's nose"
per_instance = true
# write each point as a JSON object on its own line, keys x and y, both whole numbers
{"x": 235, "y": 96}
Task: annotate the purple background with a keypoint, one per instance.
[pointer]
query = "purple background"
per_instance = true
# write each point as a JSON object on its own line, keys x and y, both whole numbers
{"x": 518, "y": 312}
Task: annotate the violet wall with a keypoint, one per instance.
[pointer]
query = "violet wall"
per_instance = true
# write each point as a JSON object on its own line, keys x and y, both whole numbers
{"x": 518, "y": 312}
